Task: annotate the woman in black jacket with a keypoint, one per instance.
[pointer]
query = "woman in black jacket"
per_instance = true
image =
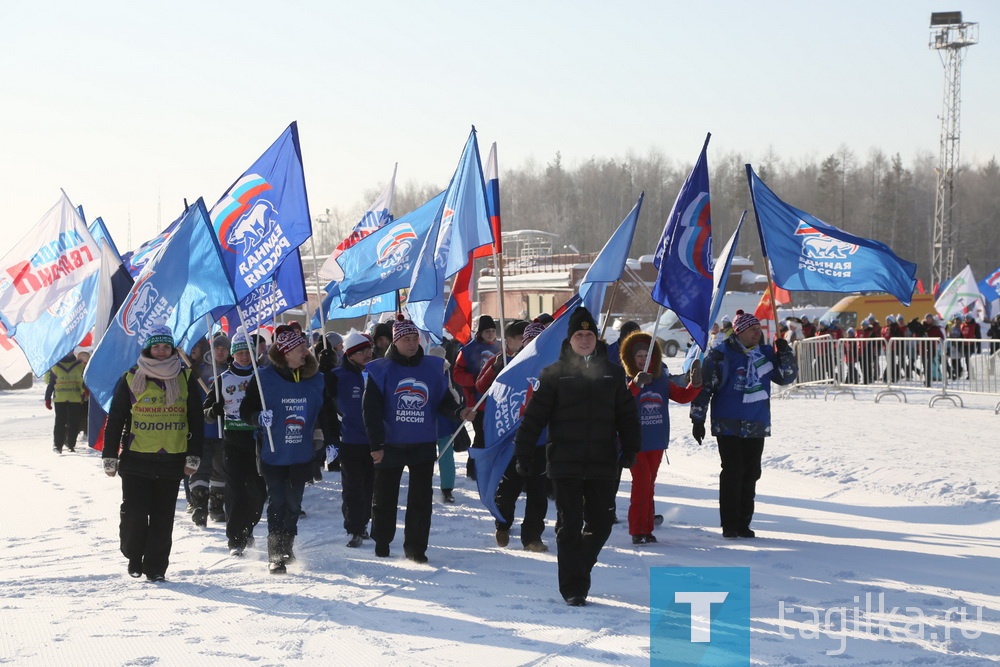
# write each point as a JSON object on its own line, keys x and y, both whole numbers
{"x": 584, "y": 401}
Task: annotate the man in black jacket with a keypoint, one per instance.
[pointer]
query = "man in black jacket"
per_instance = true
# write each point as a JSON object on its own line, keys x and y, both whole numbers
{"x": 584, "y": 401}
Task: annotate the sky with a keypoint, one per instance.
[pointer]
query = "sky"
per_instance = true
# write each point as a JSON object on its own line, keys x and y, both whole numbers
{"x": 131, "y": 107}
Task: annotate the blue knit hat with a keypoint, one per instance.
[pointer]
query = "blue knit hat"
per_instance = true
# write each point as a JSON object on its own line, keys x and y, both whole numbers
{"x": 159, "y": 334}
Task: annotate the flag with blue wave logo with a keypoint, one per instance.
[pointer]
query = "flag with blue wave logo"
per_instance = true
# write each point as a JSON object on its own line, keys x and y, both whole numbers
{"x": 183, "y": 283}
{"x": 610, "y": 262}
{"x": 135, "y": 261}
{"x": 334, "y": 309}
{"x": 683, "y": 257}
{"x": 383, "y": 261}
{"x": 505, "y": 403}
{"x": 462, "y": 225}
{"x": 264, "y": 215}
{"x": 807, "y": 254}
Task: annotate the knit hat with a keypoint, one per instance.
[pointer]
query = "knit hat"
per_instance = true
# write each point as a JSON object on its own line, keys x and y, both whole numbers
{"x": 744, "y": 321}
{"x": 889, "y": 319}
{"x": 159, "y": 334}
{"x": 726, "y": 321}
{"x": 545, "y": 319}
{"x": 627, "y": 329}
{"x": 333, "y": 339}
{"x": 581, "y": 320}
{"x": 404, "y": 327}
{"x": 356, "y": 342}
{"x": 486, "y": 322}
{"x": 531, "y": 331}
{"x": 382, "y": 329}
{"x": 515, "y": 329}
{"x": 239, "y": 343}
{"x": 286, "y": 338}
{"x": 220, "y": 340}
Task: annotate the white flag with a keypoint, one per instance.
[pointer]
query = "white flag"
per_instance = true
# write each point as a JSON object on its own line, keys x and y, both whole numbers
{"x": 57, "y": 255}
{"x": 377, "y": 216}
{"x": 13, "y": 364}
{"x": 961, "y": 297}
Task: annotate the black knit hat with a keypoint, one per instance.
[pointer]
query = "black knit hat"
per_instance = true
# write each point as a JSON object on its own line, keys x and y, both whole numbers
{"x": 581, "y": 319}
{"x": 486, "y": 322}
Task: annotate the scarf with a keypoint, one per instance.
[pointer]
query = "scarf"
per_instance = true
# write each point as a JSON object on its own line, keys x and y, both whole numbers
{"x": 166, "y": 371}
{"x": 758, "y": 366}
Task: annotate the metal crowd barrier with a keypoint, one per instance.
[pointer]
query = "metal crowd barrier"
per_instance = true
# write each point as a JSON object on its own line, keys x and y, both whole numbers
{"x": 948, "y": 368}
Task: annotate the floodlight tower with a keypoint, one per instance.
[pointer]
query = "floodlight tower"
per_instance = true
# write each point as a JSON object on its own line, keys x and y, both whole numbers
{"x": 949, "y": 37}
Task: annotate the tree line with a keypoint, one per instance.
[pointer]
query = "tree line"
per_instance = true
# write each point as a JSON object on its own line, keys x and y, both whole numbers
{"x": 877, "y": 196}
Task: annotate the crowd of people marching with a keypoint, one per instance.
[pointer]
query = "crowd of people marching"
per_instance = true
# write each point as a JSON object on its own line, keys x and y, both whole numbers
{"x": 245, "y": 426}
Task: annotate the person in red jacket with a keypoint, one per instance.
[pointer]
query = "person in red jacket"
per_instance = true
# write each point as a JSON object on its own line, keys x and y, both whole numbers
{"x": 467, "y": 366}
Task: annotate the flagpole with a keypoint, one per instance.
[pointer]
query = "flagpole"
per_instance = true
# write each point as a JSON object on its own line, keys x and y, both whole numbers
{"x": 454, "y": 435}
{"x": 256, "y": 373}
{"x": 763, "y": 250}
{"x": 652, "y": 340}
{"x": 319, "y": 299}
{"x": 215, "y": 369}
{"x": 503, "y": 338}
{"x": 611, "y": 304}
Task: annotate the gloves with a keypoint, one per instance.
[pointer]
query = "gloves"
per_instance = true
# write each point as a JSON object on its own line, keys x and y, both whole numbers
{"x": 331, "y": 453}
{"x": 217, "y": 409}
{"x": 48, "y": 404}
{"x": 628, "y": 459}
{"x": 110, "y": 467}
{"x": 698, "y": 431}
{"x": 781, "y": 346}
{"x": 191, "y": 465}
{"x": 694, "y": 374}
{"x": 265, "y": 418}
{"x": 523, "y": 467}
{"x": 642, "y": 379}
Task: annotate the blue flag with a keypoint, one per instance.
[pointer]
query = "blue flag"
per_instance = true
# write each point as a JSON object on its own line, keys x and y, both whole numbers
{"x": 683, "y": 257}
{"x": 136, "y": 260}
{"x": 335, "y": 310}
{"x": 264, "y": 215}
{"x": 610, "y": 262}
{"x": 505, "y": 403}
{"x": 383, "y": 261}
{"x": 101, "y": 234}
{"x": 178, "y": 288}
{"x": 461, "y": 226}
{"x": 808, "y": 254}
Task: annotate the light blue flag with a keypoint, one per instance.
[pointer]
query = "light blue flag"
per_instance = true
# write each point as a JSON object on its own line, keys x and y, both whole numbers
{"x": 808, "y": 254}
{"x": 101, "y": 234}
{"x": 185, "y": 281}
{"x": 383, "y": 303}
{"x": 383, "y": 261}
{"x": 723, "y": 265}
{"x": 505, "y": 403}
{"x": 610, "y": 262}
{"x": 462, "y": 225}
{"x": 683, "y": 257}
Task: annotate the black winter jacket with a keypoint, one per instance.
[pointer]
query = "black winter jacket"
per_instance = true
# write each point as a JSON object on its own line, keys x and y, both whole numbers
{"x": 588, "y": 410}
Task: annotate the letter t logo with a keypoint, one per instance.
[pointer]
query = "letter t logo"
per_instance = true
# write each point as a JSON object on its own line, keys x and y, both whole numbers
{"x": 701, "y": 611}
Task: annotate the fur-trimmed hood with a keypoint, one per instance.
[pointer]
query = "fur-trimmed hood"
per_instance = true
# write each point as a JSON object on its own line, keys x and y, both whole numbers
{"x": 637, "y": 340}
{"x": 309, "y": 368}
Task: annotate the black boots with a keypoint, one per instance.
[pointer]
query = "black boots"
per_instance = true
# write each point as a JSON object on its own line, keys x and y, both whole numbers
{"x": 216, "y": 505}
{"x": 279, "y": 552}
{"x": 199, "y": 501}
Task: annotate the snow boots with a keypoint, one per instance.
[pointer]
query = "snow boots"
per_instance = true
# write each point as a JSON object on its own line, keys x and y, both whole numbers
{"x": 279, "y": 552}
{"x": 199, "y": 500}
{"x": 216, "y": 504}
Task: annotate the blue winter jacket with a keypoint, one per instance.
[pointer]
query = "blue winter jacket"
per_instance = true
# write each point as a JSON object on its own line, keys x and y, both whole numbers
{"x": 724, "y": 375}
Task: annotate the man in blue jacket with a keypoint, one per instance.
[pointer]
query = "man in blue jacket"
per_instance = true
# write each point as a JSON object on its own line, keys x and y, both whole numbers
{"x": 737, "y": 376}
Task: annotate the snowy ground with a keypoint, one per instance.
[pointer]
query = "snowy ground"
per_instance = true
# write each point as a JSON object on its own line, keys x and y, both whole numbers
{"x": 857, "y": 498}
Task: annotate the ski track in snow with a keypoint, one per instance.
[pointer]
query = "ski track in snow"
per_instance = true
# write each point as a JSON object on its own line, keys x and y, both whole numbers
{"x": 855, "y": 498}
